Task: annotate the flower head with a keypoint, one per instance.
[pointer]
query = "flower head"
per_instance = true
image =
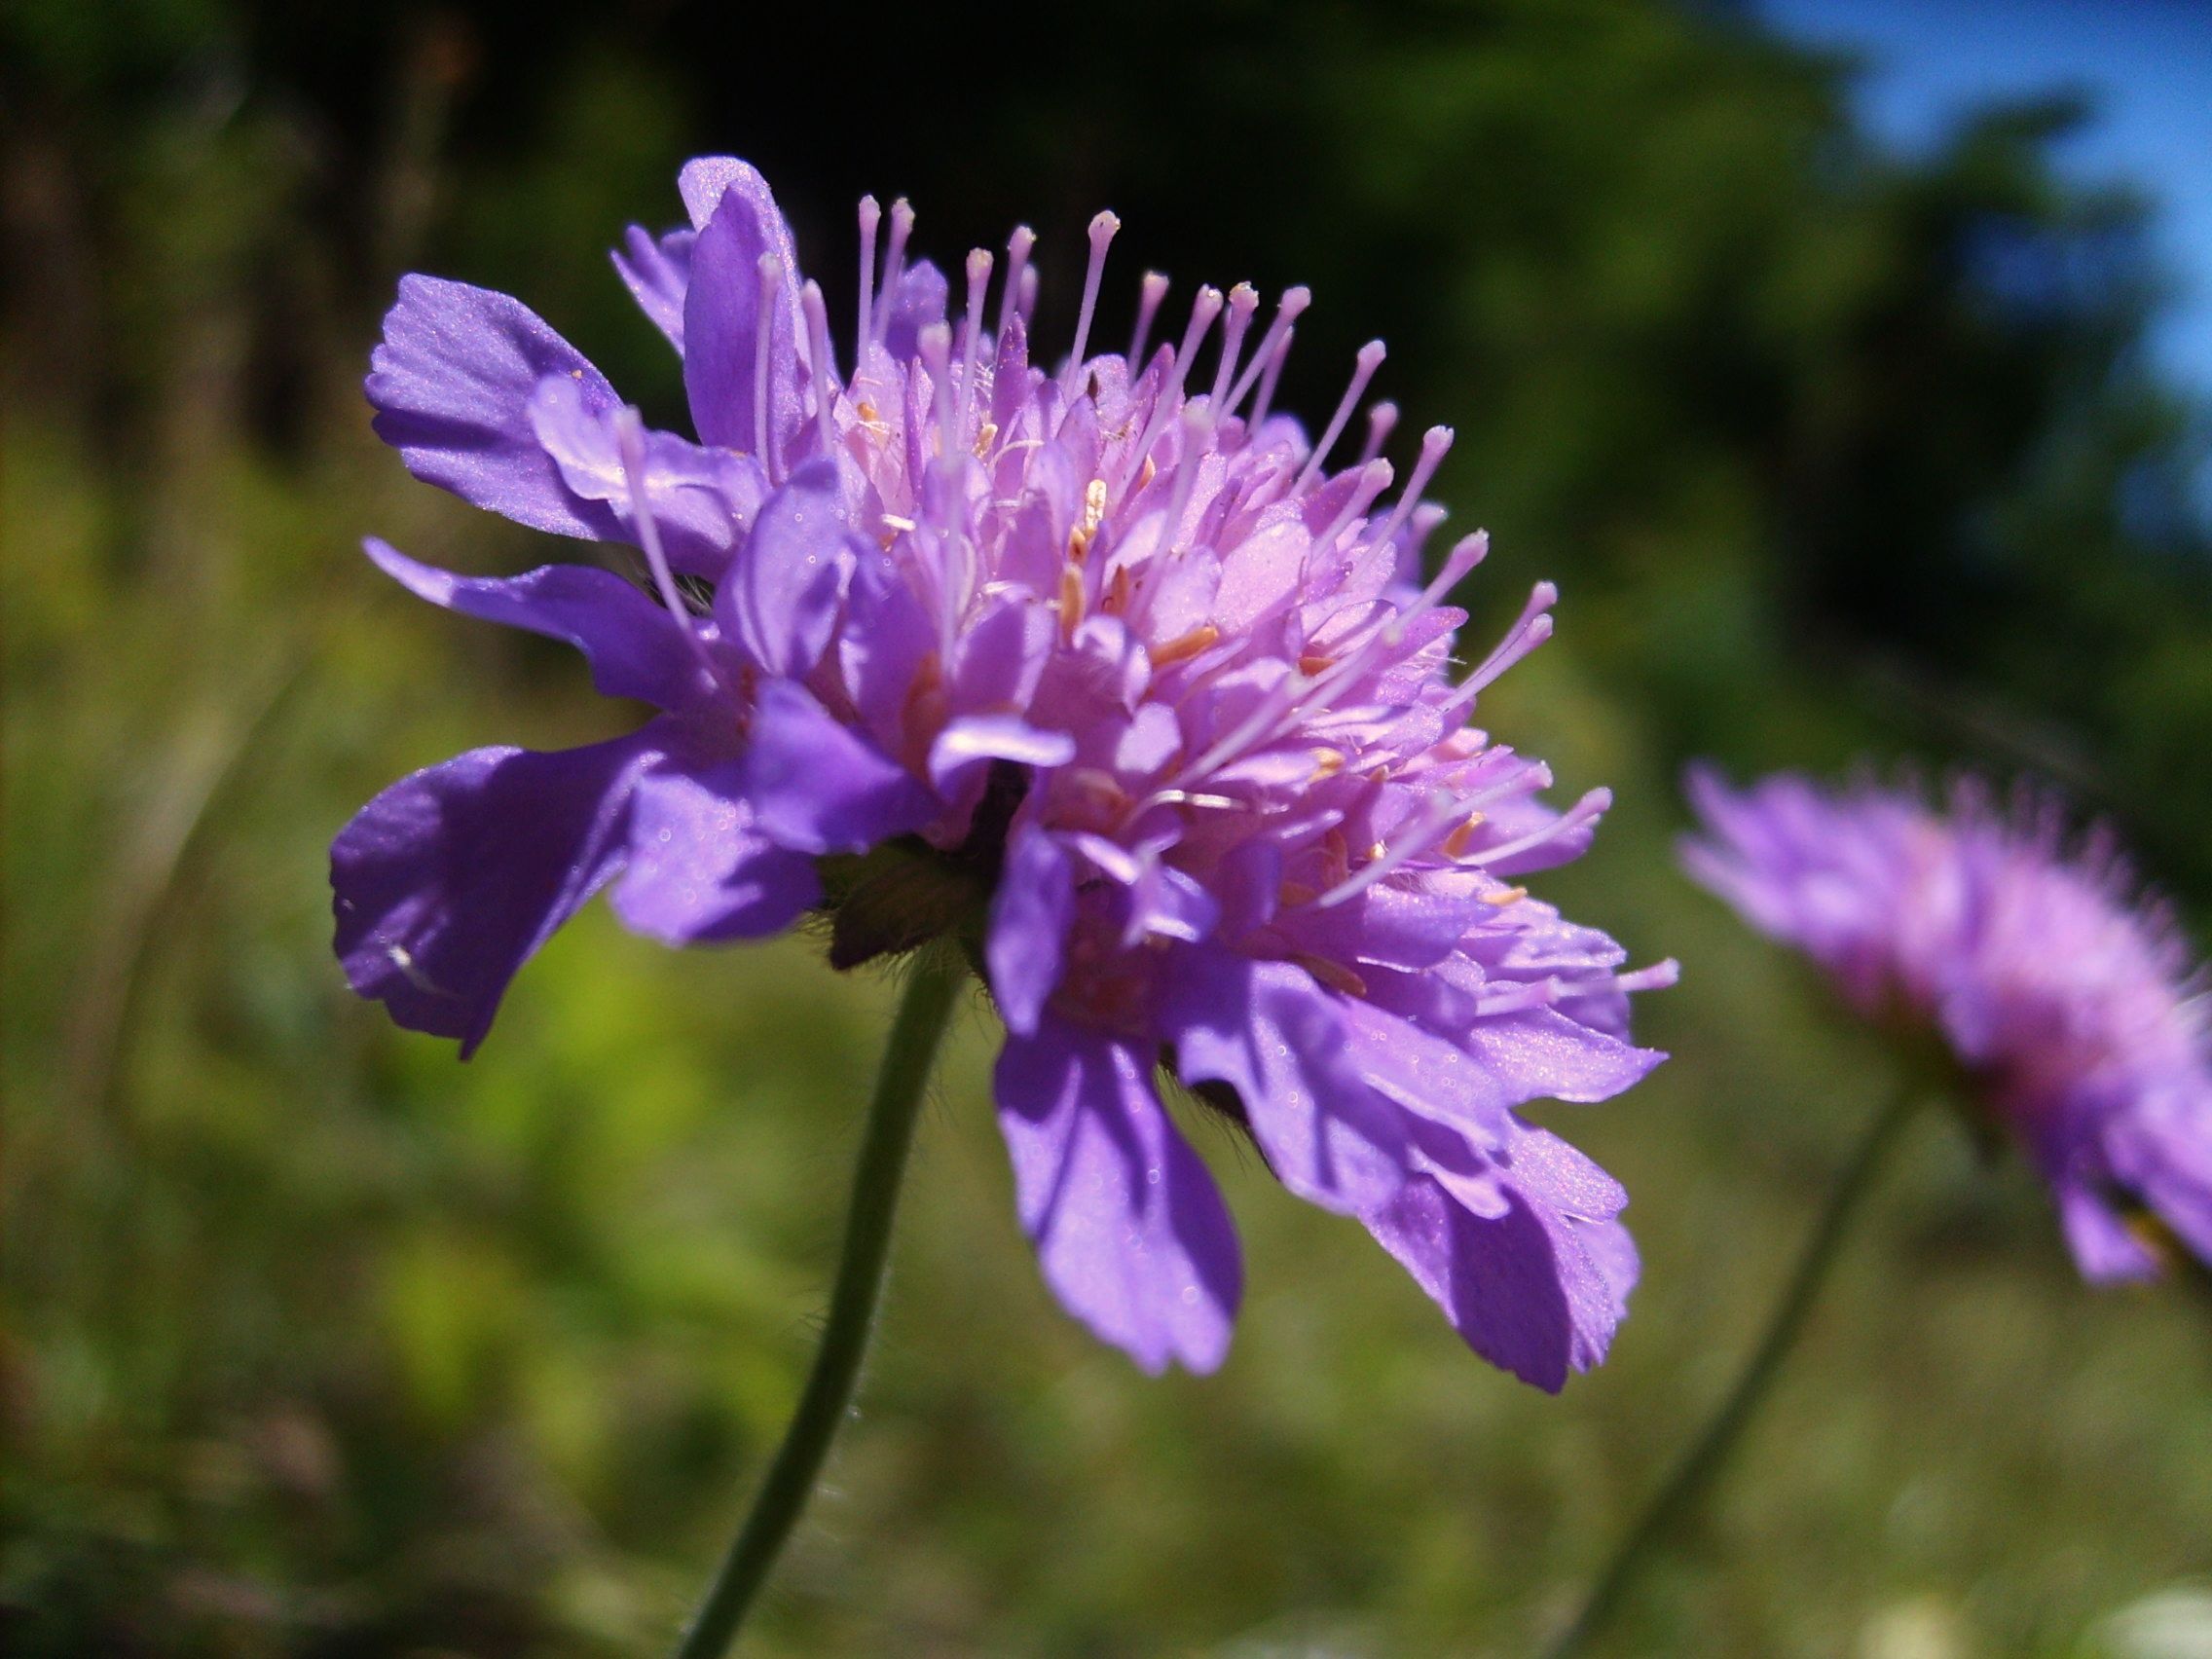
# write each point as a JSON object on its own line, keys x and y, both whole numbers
{"x": 2069, "y": 1006}
{"x": 1095, "y": 664}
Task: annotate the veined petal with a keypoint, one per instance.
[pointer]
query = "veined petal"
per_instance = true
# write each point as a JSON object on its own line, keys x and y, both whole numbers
{"x": 700, "y": 500}
{"x": 1273, "y": 1035}
{"x": 634, "y": 647}
{"x": 452, "y": 385}
{"x": 699, "y": 870}
{"x": 817, "y": 786}
{"x": 1540, "y": 1053}
{"x": 657, "y": 271}
{"x": 782, "y": 596}
{"x": 1129, "y": 1228}
{"x": 1029, "y": 925}
{"x": 446, "y": 883}
{"x": 1519, "y": 1247}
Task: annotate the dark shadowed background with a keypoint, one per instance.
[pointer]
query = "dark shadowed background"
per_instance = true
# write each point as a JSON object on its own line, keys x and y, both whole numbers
{"x": 318, "y": 1342}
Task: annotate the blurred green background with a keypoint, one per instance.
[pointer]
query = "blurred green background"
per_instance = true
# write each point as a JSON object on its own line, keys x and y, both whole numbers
{"x": 318, "y": 1342}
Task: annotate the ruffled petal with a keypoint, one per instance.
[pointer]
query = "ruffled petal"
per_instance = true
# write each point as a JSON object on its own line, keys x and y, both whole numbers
{"x": 1130, "y": 1231}
{"x": 446, "y": 883}
{"x": 700, "y": 500}
{"x": 699, "y": 870}
{"x": 1518, "y": 1246}
{"x": 817, "y": 786}
{"x": 1273, "y": 1036}
{"x": 452, "y": 385}
{"x": 634, "y": 647}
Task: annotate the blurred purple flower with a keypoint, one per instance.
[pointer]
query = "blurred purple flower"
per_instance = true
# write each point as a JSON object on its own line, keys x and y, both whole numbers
{"x": 2070, "y": 1006}
{"x": 1116, "y": 681}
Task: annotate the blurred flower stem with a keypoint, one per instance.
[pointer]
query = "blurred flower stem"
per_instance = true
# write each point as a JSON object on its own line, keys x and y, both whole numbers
{"x": 1677, "y": 1499}
{"x": 936, "y": 980}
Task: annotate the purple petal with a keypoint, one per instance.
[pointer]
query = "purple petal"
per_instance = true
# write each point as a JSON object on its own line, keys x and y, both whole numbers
{"x": 722, "y": 318}
{"x": 1029, "y": 924}
{"x": 446, "y": 883}
{"x": 634, "y": 647}
{"x": 1520, "y": 1249}
{"x": 1540, "y": 1053}
{"x": 1427, "y": 1075}
{"x": 916, "y": 302}
{"x": 1129, "y": 1228}
{"x": 705, "y": 180}
{"x": 657, "y": 271}
{"x": 452, "y": 385}
{"x": 782, "y": 596}
{"x": 2103, "y": 1248}
{"x": 974, "y": 741}
{"x": 819, "y": 786}
{"x": 699, "y": 871}
{"x": 1275, "y": 1037}
{"x": 882, "y": 646}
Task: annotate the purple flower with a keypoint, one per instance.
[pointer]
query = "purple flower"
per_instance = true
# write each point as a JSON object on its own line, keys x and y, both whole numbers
{"x": 1098, "y": 668}
{"x": 2069, "y": 1006}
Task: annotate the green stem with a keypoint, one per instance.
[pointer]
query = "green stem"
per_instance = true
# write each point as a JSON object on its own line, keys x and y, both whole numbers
{"x": 1678, "y": 1498}
{"x": 822, "y": 1407}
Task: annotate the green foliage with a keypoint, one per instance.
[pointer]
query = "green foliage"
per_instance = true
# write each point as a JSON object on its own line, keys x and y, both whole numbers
{"x": 317, "y": 1343}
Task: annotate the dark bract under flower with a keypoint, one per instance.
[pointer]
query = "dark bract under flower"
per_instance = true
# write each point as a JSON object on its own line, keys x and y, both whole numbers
{"x": 1099, "y": 664}
{"x": 2072, "y": 1007}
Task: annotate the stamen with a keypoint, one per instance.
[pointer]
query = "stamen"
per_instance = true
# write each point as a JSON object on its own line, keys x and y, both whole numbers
{"x": 1294, "y": 302}
{"x": 935, "y": 348}
{"x": 1456, "y": 845}
{"x": 1102, "y": 229}
{"x": 872, "y": 215}
{"x": 1204, "y": 311}
{"x": 824, "y": 376}
{"x": 1243, "y": 301}
{"x": 1025, "y": 306}
{"x": 1414, "y": 837}
{"x": 1381, "y": 422}
{"x": 1531, "y": 630}
{"x": 1370, "y": 360}
{"x": 630, "y": 446}
{"x": 763, "y": 331}
{"x": 1435, "y": 445}
{"x": 1150, "y": 292}
{"x": 1269, "y": 377}
{"x": 893, "y": 263}
{"x": 1656, "y": 977}
{"x": 1184, "y": 646}
{"x": 1071, "y": 598}
{"x": 1590, "y": 807}
{"x": 1512, "y": 998}
{"x": 1198, "y": 440}
{"x": 1017, "y": 250}
{"x": 972, "y": 351}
